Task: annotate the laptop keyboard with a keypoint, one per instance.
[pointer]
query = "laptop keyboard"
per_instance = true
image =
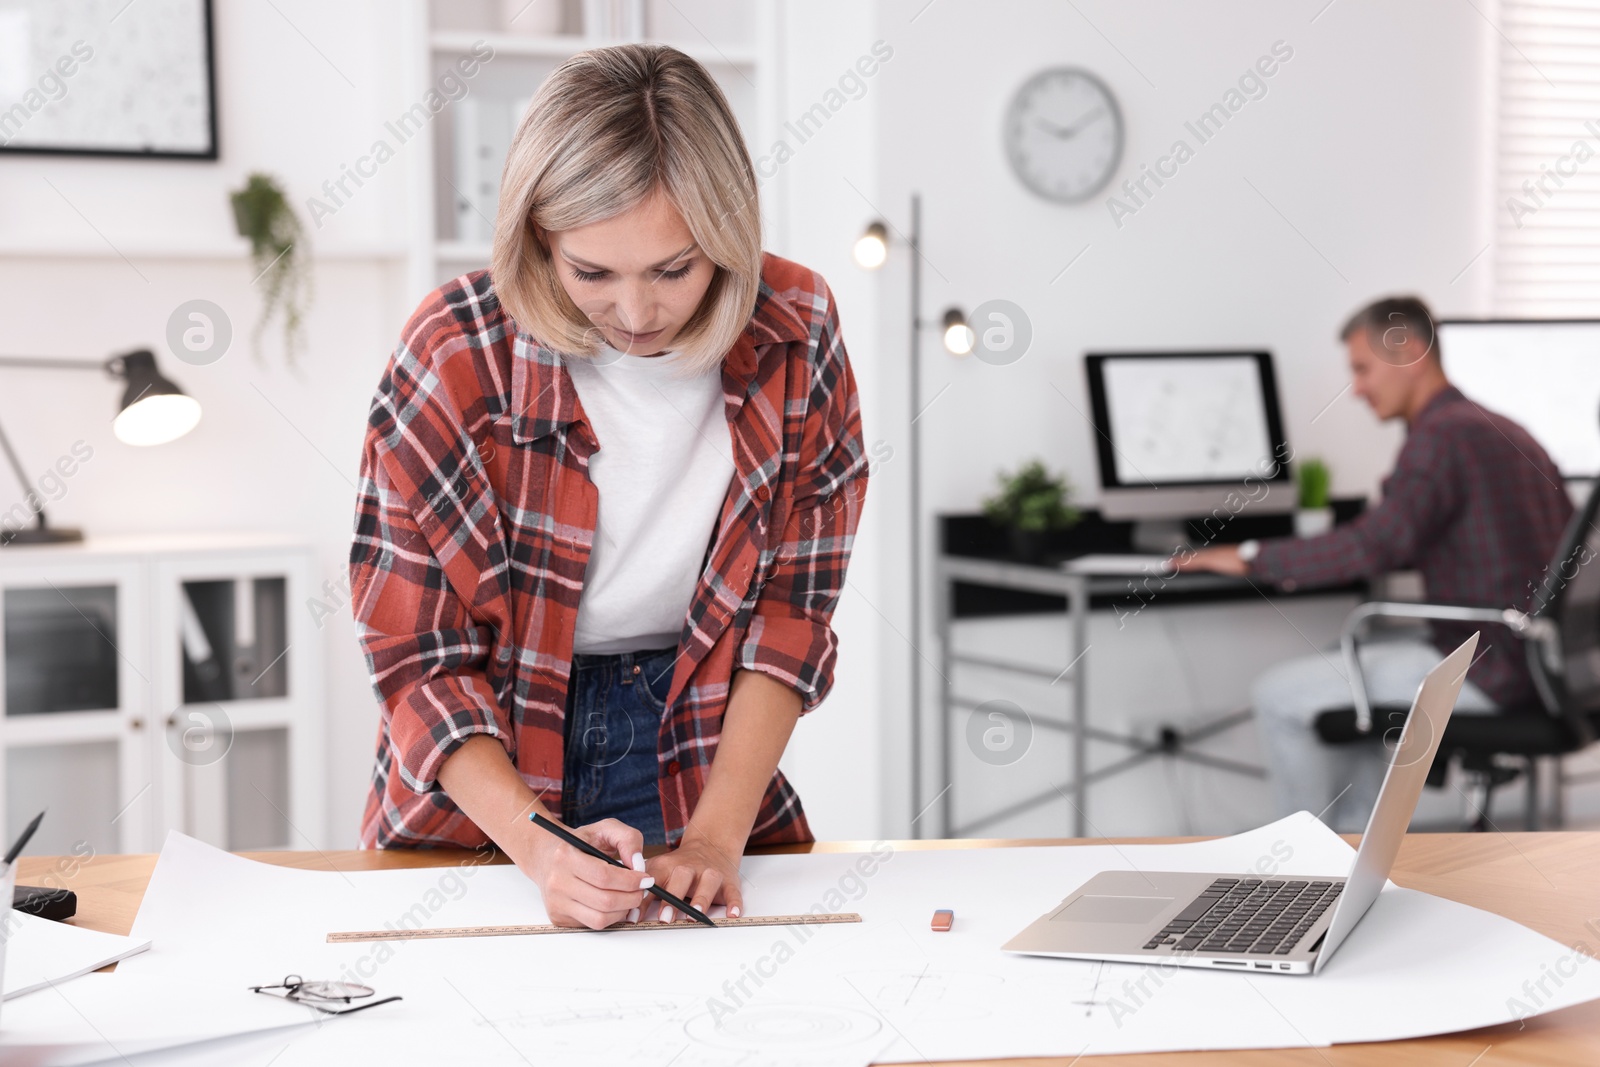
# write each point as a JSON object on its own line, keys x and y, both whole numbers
{"x": 1260, "y": 916}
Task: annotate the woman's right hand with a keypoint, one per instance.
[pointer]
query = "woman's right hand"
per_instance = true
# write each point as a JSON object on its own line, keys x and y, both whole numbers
{"x": 580, "y": 890}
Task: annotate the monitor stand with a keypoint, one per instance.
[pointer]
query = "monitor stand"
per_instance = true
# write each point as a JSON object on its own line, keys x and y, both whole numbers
{"x": 1160, "y": 536}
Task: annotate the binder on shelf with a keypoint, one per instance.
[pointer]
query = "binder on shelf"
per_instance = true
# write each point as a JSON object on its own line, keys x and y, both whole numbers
{"x": 612, "y": 20}
{"x": 204, "y": 678}
{"x": 245, "y": 666}
{"x": 484, "y": 126}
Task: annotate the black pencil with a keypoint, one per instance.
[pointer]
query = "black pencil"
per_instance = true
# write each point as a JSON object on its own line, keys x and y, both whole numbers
{"x": 579, "y": 843}
{"x": 21, "y": 842}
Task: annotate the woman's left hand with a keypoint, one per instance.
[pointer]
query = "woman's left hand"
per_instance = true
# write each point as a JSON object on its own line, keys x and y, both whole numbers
{"x": 701, "y": 873}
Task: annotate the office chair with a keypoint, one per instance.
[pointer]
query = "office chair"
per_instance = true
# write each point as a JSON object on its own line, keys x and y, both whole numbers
{"x": 1561, "y": 637}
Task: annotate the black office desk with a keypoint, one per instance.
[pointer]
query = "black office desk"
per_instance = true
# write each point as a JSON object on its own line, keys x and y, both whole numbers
{"x": 973, "y": 578}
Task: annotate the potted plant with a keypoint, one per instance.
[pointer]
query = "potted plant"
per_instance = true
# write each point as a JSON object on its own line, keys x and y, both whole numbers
{"x": 1031, "y": 504}
{"x": 279, "y": 257}
{"x": 1314, "y": 515}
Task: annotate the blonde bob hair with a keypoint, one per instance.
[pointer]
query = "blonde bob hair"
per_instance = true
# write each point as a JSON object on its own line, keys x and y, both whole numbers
{"x": 607, "y": 128}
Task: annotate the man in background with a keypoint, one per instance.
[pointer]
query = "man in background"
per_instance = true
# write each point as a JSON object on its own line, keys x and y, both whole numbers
{"x": 1473, "y": 503}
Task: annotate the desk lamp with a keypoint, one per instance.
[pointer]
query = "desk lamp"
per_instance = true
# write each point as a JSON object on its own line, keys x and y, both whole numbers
{"x": 153, "y": 411}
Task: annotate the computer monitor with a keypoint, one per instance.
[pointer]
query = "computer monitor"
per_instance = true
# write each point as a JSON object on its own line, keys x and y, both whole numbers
{"x": 1178, "y": 432}
{"x": 1543, "y": 374}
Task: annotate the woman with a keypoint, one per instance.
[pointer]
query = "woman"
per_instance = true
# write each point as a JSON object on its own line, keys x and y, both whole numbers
{"x": 609, "y": 492}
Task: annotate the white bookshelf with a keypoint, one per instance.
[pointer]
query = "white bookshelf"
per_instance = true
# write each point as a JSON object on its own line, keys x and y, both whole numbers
{"x": 733, "y": 38}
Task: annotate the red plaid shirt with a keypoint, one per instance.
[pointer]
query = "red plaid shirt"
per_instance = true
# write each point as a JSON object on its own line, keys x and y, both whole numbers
{"x": 476, "y": 516}
{"x": 1474, "y": 504}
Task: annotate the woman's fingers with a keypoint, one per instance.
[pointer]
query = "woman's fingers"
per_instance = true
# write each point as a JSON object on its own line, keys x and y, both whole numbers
{"x": 733, "y": 898}
{"x": 584, "y": 890}
{"x": 605, "y": 888}
{"x": 706, "y": 891}
{"x": 572, "y": 892}
{"x": 678, "y": 884}
{"x": 575, "y": 913}
{"x": 622, "y": 840}
{"x": 602, "y": 875}
{"x": 617, "y": 838}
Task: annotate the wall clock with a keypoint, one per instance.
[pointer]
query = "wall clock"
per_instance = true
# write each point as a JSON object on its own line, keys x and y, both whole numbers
{"x": 1063, "y": 134}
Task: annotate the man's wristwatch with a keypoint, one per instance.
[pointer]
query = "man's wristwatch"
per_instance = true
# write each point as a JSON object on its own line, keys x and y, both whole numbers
{"x": 1249, "y": 550}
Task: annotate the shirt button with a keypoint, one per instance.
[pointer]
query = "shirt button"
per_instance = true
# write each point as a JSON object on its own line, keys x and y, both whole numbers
{"x": 505, "y": 655}
{"x": 763, "y": 492}
{"x": 674, "y": 767}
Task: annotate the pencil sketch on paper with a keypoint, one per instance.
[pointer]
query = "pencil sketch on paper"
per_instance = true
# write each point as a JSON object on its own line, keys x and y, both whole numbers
{"x": 797, "y": 1030}
{"x": 1091, "y": 999}
{"x": 617, "y": 1010}
{"x": 563, "y": 1025}
{"x": 947, "y": 994}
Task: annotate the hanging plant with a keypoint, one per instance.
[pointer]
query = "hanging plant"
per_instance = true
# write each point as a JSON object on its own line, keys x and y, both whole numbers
{"x": 280, "y": 258}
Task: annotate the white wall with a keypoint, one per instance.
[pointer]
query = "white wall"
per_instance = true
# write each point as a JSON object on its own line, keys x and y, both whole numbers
{"x": 1367, "y": 162}
{"x": 813, "y": 207}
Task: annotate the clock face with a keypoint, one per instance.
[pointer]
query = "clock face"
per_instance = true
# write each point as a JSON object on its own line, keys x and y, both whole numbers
{"x": 1063, "y": 134}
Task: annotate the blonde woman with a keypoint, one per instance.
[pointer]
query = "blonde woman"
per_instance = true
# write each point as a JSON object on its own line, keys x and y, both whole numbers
{"x": 608, "y": 493}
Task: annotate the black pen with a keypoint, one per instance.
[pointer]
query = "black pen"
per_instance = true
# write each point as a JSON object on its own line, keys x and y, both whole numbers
{"x": 22, "y": 842}
{"x": 579, "y": 843}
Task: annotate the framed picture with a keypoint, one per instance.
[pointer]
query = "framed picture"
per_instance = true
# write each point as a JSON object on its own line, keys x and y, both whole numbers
{"x": 130, "y": 78}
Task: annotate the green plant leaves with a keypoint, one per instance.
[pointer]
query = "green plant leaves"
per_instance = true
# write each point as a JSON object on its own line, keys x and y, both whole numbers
{"x": 1032, "y": 499}
{"x": 280, "y": 257}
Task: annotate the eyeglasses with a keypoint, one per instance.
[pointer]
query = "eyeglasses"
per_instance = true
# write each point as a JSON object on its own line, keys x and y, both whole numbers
{"x": 321, "y": 995}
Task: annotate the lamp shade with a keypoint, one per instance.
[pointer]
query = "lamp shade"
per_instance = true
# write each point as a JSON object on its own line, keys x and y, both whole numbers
{"x": 154, "y": 410}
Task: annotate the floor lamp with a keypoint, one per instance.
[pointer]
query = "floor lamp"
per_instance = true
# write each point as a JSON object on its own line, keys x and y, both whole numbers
{"x": 153, "y": 411}
{"x": 871, "y": 252}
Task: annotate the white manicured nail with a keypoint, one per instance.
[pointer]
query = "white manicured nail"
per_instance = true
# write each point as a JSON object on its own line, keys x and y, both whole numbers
{"x": 666, "y": 915}
{"x": 647, "y": 883}
{"x": 633, "y": 915}
{"x": 638, "y": 861}
{"x": 733, "y": 912}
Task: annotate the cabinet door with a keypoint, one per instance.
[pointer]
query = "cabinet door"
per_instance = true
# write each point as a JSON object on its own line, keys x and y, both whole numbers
{"x": 74, "y": 682}
{"x": 237, "y": 668}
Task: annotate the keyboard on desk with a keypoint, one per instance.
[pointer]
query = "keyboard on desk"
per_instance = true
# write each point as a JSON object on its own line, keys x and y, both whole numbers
{"x": 1260, "y": 916}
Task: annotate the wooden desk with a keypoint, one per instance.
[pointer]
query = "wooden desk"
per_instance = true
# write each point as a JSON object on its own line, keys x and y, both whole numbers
{"x": 1549, "y": 882}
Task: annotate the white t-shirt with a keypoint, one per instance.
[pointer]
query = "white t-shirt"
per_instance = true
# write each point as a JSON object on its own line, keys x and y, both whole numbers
{"x": 662, "y": 471}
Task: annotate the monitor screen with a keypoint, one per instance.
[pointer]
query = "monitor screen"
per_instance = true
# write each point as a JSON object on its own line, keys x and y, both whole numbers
{"x": 1545, "y": 376}
{"x": 1185, "y": 418}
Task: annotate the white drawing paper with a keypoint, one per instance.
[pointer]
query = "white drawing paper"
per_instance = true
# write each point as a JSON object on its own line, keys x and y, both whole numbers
{"x": 40, "y": 951}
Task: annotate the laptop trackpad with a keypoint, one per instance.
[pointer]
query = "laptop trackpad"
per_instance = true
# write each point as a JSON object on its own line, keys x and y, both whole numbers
{"x": 1103, "y": 909}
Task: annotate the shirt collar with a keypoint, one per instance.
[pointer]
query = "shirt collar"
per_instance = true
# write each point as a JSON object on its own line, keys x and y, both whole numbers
{"x": 541, "y": 409}
{"x": 1448, "y": 395}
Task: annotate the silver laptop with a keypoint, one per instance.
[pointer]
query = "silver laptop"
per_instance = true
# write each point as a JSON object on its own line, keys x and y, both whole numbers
{"x": 1245, "y": 923}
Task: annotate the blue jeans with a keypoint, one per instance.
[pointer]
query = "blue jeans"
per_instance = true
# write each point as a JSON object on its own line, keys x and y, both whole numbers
{"x": 615, "y": 704}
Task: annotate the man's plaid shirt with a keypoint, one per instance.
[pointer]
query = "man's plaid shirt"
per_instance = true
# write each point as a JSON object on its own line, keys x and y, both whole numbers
{"x": 474, "y": 524}
{"x": 1475, "y": 505}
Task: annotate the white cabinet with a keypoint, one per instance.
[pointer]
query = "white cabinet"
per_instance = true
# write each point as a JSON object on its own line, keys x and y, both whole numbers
{"x": 74, "y": 682}
{"x": 155, "y": 684}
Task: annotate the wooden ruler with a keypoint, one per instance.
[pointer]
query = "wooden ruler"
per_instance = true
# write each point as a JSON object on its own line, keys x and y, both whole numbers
{"x": 349, "y": 936}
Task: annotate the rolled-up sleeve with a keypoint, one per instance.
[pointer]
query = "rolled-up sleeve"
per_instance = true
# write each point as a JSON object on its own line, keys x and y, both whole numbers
{"x": 425, "y": 652}
{"x": 790, "y": 637}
